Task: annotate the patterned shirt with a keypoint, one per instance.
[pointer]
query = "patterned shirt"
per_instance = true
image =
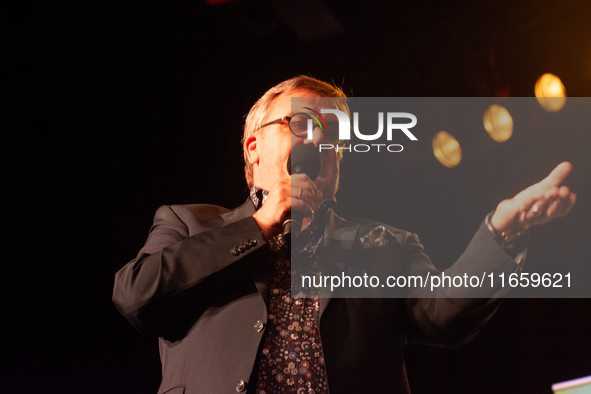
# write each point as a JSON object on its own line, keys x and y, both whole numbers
{"x": 291, "y": 359}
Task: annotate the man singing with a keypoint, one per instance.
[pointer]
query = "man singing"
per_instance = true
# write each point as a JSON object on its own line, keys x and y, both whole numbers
{"x": 215, "y": 284}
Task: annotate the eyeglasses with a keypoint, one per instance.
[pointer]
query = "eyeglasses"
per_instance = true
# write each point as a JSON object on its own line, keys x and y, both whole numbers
{"x": 298, "y": 124}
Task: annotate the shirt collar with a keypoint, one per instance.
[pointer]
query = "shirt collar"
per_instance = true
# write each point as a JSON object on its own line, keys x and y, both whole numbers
{"x": 259, "y": 196}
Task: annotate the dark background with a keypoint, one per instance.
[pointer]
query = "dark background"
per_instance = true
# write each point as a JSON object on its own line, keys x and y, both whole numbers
{"x": 109, "y": 110}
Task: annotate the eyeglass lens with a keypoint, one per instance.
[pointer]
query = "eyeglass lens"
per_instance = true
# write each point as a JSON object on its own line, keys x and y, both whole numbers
{"x": 299, "y": 126}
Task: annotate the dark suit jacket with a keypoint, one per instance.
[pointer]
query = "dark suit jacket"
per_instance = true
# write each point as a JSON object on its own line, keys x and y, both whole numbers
{"x": 190, "y": 287}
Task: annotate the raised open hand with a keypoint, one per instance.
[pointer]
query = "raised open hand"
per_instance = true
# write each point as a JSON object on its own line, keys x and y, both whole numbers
{"x": 537, "y": 204}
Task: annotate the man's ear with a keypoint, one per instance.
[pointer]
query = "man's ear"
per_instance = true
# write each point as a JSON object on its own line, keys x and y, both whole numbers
{"x": 251, "y": 149}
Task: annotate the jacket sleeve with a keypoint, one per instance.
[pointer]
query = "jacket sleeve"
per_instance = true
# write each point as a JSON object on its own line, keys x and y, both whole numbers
{"x": 453, "y": 315}
{"x": 175, "y": 277}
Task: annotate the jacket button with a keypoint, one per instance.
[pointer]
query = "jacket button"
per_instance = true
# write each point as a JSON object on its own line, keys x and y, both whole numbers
{"x": 252, "y": 242}
{"x": 246, "y": 245}
{"x": 240, "y": 386}
{"x": 241, "y": 248}
{"x": 234, "y": 251}
{"x": 258, "y": 326}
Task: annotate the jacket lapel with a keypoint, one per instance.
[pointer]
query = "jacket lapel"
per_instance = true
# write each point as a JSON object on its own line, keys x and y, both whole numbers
{"x": 339, "y": 239}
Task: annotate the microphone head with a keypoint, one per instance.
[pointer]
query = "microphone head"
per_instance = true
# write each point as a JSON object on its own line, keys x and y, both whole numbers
{"x": 304, "y": 159}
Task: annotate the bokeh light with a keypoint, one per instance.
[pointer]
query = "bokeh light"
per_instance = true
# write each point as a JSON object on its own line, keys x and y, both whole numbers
{"x": 550, "y": 92}
{"x": 447, "y": 149}
{"x": 498, "y": 123}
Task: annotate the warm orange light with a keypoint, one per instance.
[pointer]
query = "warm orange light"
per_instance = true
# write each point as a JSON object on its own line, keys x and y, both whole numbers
{"x": 550, "y": 92}
{"x": 447, "y": 149}
{"x": 498, "y": 122}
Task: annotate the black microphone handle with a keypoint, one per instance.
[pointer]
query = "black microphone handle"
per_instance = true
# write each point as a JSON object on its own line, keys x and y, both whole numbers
{"x": 296, "y": 218}
{"x": 306, "y": 160}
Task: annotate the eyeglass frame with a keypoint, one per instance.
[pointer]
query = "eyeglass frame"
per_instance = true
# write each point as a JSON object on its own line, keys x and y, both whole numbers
{"x": 288, "y": 118}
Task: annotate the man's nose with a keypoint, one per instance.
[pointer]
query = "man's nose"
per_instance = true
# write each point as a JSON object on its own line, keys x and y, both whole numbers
{"x": 317, "y": 137}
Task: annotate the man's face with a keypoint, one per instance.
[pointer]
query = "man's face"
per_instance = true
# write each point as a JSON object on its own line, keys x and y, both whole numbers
{"x": 275, "y": 142}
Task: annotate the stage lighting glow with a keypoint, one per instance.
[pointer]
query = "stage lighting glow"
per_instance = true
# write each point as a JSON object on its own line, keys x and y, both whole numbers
{"x": 498, "y": 123}
{"x": 550, "y": 92}
{"x": 447, "y": 149}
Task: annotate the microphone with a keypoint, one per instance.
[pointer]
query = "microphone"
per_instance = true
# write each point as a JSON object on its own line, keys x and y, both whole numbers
{"x": 303, "y": 159}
